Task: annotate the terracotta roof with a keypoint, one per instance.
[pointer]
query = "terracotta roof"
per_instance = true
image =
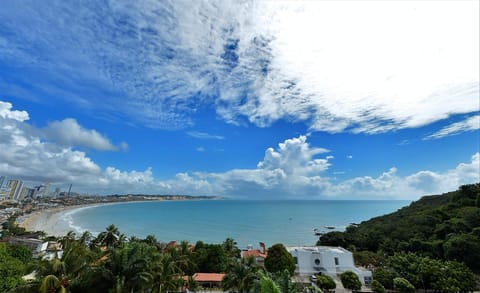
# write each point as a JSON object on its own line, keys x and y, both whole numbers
{"x": 254, "y": 253}
{"x": 208, "y": 277}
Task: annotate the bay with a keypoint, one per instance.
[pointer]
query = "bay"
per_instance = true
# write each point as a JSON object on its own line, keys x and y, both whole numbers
{"x": 248, "y": 222}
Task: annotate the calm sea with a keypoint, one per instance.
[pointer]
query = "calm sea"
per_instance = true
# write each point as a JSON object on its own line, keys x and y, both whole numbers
{"x": 247, "y": 222}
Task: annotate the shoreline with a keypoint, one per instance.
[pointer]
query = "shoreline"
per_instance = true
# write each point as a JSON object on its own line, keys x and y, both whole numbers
{"x": 50, "y": 221}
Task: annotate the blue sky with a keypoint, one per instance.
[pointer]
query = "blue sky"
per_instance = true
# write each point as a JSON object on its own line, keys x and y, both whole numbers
{"x": 243, "y": 99}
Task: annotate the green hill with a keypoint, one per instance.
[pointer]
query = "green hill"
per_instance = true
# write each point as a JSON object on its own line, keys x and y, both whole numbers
{"x": 443, "y": 226}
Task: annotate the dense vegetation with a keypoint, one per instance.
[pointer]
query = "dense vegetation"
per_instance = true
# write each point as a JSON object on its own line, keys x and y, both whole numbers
{"x": 112, "y": 263}
{"x": 443, "y": 226}
{"x": 434, "y": 243}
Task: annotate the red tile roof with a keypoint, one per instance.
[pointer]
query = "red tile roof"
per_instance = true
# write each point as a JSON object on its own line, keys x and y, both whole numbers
{"x": 254, "y": 253}
{"x": 208, "y": 277}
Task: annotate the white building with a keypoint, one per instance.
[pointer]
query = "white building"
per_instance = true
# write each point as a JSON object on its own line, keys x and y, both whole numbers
{"x": 332, "y": 261}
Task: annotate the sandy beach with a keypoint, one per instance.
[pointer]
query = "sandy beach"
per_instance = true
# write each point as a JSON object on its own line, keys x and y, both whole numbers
{"x": 50, "y": 220}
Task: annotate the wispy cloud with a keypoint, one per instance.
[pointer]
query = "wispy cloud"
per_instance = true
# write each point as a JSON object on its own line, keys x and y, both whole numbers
{"x": 469, "y": 124}
{"x": 204, "y": 135}
{"x": 355, "y": 66}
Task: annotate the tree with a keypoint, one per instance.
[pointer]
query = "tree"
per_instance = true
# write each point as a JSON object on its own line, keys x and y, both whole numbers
{"x": 377, "y": 287}
{"x": 52, "y": 284}
{"x": 384, "y": 277}
{"x": 350, "y": 281}
{"x": 279, "y": 259}
{"x": 464, "y": 248}
{"x": 267, "y": 285}
{"x": 241, "y": 277}
{"x": 11, "y": 270}
{"x": 111, "y": 237}
{"x": 403, "y": 285}
{"x": 284, "y": 281}
{"x": 130, "y": 266}
{"x": 325, "y": 282}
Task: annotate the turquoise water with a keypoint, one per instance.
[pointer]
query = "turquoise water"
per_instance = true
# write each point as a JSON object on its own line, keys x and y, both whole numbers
{"x": 248, "y": 222}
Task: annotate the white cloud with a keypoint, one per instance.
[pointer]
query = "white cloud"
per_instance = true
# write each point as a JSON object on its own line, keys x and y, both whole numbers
{"x": 6, "y": 112}
{"x": 469, "y": 124}
{"x": 204, "y": 135}
{"x": 200, "y": 149}
{"x": 69, "y": 133}
{"x": 294, "y": 169}
{"x": 367, "y": 66}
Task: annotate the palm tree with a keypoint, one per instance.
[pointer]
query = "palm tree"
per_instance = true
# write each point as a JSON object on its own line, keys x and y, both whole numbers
{"x": 60, "y": 272}
{"x": 267, "y": 285}
{"x": 67, "y": 239}
{"x": 85, "y": 238}
{"x": 130, "y": 267}
{"x": 167, "y": 274}
{"x": 51, "y": 284}
{"x": 110, "y": 237}
{"x": 242, "y": 276}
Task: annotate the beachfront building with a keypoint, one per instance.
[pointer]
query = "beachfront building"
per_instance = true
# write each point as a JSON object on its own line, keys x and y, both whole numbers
{"x": 258, "y": 255}
{"x": 331, "y": 261}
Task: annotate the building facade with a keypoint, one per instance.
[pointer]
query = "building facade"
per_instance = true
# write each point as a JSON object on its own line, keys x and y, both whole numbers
{"x": 326, "y": 260}
{"x": 15, "y": 188}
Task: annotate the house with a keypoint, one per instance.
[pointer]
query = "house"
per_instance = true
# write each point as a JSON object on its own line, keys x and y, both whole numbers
{"x": 208, "y": 280}
{"x": 258, "y": 254}
{"x": 37, "y": 246}
{"x": 332, "y": 261}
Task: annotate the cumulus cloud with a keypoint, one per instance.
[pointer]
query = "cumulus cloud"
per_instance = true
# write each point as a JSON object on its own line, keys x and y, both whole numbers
{"x": 6, "y": 112}
{"x": 337, "y": 66}
{"x": 69, "y": 133}
{"x": 469, "y": 124}
{"x": 292, "y": 169}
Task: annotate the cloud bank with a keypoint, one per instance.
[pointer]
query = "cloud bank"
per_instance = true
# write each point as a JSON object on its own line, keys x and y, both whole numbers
{"x": 363, "y": 67}
{"x": 292, "y": 169}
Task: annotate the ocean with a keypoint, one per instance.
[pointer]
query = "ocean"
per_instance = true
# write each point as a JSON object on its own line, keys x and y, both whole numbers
{"x": 212, "y": 221}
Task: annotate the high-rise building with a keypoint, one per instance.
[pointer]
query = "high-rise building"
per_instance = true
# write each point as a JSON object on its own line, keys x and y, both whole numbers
{"x": 26, "y": 193}
{"x": 41, "y": 190}
{"x": 15, "y": 188}
{"x": 2, "y": 179}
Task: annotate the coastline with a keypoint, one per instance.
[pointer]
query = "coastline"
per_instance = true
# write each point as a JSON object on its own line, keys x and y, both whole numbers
{"x": 50, "y": 220}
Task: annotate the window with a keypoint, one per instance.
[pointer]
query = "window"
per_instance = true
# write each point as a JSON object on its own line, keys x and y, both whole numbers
{"x": 367, "y": 280}
{"x": 295, "y": 259}
{"x": 317, "y": 262}
{"x": 336, "y": 261}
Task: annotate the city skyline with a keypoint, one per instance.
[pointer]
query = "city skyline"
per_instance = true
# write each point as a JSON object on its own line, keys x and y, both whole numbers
{"x": 257, "y": 100}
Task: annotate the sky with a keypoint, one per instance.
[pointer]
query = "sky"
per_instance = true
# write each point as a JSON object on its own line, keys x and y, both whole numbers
{"x": 241, "y": 99}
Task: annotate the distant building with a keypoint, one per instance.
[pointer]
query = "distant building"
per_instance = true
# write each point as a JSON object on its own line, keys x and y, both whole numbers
{"x": 26, "y": 193}
{"x": 2, "y": 179}
{"x": 41, "y": 191}
{"x": 332, "y": 261}
{"x": 15, "y": 186}
{"x": 37, "y": 246}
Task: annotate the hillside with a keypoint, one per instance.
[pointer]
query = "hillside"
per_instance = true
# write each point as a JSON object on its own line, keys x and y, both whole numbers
{"x": 445, "y": 226}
